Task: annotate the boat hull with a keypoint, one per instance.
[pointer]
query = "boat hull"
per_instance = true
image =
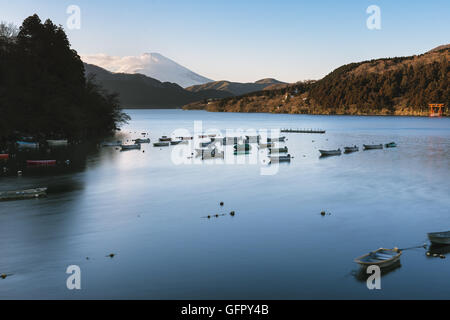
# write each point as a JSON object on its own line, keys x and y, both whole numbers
{"x": 373, "y": 147}
{"x": 4, "y": 156}
{"x": 439, "y": 237}
{"x": 377, "y": 258}
{"x": 23, "y": 195}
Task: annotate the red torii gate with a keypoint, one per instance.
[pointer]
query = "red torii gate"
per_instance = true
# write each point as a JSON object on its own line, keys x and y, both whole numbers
{"x": 436, "y": 109}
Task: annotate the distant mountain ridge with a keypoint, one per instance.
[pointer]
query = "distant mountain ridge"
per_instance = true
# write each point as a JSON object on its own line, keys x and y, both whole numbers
{"x": 140, "y": 91}
{"x": 386, "y": 86}
{"x": 237, "y": 88}
{"x": 153, "y": 65}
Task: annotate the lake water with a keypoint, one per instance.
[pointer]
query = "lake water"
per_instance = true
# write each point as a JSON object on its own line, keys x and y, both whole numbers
{"x": 151, "y": 214}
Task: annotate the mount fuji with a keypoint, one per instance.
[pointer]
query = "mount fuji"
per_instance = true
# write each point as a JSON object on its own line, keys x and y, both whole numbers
{"x": 153, "y": 65}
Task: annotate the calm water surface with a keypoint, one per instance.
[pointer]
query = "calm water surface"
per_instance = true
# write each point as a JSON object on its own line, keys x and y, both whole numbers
{"x": 148, "y": 211}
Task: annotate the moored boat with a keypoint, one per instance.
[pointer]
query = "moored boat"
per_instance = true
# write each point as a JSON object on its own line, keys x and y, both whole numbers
{"x": 439, "y": 237}
{"x": 278, "y": 150}
{"x": 4, "y": 156}
{"x": 326, "y": 153}
{"x": 41, "y": 163}
{"x": 242, "y": 147}
{"x": 372, "y": 146}
{"x": 28, "y": 145}
{"x": 390, "y": 145}
{"x": 277, "y": 159}
{"x": 266, "y": 145}
{"x": 161, "y": 144}
{"x": 23, "y": 194}
{"x": 126, "y": 147}
{"x": 165, "y": 139}
{"x": 57, "y": 143}
{"x": 351, "y": 149}
{"x": 174, "y": 143}
{"x": 139, "y": 141}
{"x": 280, "y": 139}
{"x": 382, "y": 258}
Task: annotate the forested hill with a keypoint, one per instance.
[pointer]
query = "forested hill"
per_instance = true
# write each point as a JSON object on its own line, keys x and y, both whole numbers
{"x": 391, "y": 86}
{"x": 43, "y": 89}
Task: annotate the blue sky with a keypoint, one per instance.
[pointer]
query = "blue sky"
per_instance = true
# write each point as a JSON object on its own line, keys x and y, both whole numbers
{"x": 248, "y": 40}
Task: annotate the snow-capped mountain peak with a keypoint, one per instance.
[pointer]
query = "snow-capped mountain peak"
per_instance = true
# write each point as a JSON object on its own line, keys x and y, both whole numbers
{"x": 153, "y": 65}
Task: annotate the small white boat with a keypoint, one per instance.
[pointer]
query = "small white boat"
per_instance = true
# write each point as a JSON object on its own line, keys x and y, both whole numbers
{"x": 280, "y": 139}
{"x": 327, "y": 153}
{"x": 266, "y": 145}
{"x": 139, "y": 141}
{"x": 280, "y": 159}
{"x": 165, "y": 139}
{"x": 381, "y": 257}
{"x": 23, "y": 194}
{"x": 126, "y": 147}
{"x": 27, "y": 145}
{"x": 351, "y": 149}
{"x": 372, "y": 146}
{"x": 278, "y": 150}
{"x": 439, "y": 237}
{"x": 57, "y": 143}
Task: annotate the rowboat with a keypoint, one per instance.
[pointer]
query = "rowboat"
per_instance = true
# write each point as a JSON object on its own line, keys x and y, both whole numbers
{"x": 439, "y": 237}
{"x": 280, "y": 139}
{"x": 280, "y": 159}
{"x": 23, "y": 194}
{"x": 41, "y": 163}
{"x": 185, "y": 138}
{"x": 4, "y": 156}
{"x": 372, "y": 146}
{"x": 382, "y": 258}
{"x": 278, "y": 150}
{"x": 327, "y": 153}
{"x": 57, "y": 143}
{"x": 28, "y": 145}
{"x": 390, "y": 145}
{"x": 161, "y": 144}
{"x": 112, "y": 144}
{"x": 139, "y": 141}
{"x": 165, "y": 139}
{"x": 351, "y": 149}
{"x": 126, "y": 147}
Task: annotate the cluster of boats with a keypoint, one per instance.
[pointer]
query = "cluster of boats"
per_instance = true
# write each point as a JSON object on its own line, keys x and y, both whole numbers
{"x": 338, "y": 152}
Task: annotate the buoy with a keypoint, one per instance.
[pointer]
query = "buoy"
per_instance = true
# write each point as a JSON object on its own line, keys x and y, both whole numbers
{"x": 323, "y": 213}
{"x": 442, "y": 256}
{"x": 3, "y": 276}
{"x": 221, "y": 204}
{"x": 87, "y": 258}
{"x": 209, "y": 217}
{"x": 112, "y": 255}
{"x": 19, "y": 173}
{"x": 428, "y": 253}
{"x": 216, "y": 215}
{"x": 232, "y": 213}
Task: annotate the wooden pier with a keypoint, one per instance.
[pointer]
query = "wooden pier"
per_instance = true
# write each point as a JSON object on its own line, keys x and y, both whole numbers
{"x": 319, "y": 131}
